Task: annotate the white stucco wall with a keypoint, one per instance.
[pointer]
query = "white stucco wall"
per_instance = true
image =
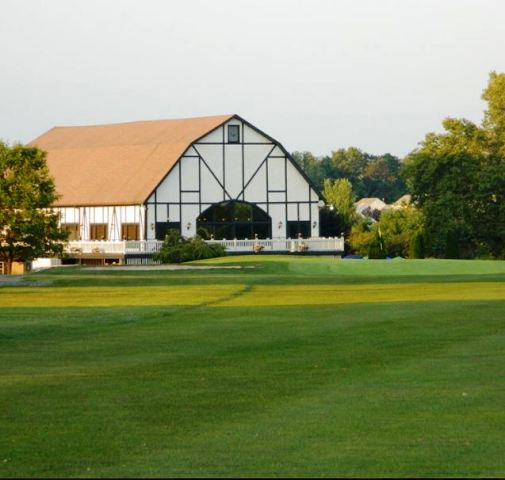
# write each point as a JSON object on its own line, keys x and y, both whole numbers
{"x": 113, "y": 217}
{"x": 255, "y": 170}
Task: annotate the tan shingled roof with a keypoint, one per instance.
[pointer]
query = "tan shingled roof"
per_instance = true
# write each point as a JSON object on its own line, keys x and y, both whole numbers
{"x": 367, "y": 200}
{"x": 118, "y": 164}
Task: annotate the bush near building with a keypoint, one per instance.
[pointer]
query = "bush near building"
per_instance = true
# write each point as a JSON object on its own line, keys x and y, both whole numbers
{"x": 177, "y": 249}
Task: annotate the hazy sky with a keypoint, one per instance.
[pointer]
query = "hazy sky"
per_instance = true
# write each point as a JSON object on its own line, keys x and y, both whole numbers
{"x": 315, "y": 74}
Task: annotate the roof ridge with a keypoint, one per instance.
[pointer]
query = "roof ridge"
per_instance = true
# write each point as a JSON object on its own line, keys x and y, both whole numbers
{"x": 132, "y": 122}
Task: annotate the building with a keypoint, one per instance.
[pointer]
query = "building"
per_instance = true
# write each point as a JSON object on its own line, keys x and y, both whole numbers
{"x": 403, "y": 202}
{"x": 220, "y": 177}
{"x": 370, "y": 204}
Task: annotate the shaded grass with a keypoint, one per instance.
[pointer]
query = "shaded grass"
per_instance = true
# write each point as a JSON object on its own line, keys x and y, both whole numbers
{"x": 395, "y": 388}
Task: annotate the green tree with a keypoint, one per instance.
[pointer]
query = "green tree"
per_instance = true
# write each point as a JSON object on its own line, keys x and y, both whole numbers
{"x": 28, "y": 226}
{"x": 350, "y": 163}
{"x": 494, "y": 116}
{"x": 398, "y": 227}
{"x": 381, "y": 178}
{"x": 416, "y": 247}
{"x": 371, "y": 176}
{"x": 458, "y": 179}
{"x": 360, "y": 236}
{"x": 340, "y": 196}
{"x": 377, "y": 247}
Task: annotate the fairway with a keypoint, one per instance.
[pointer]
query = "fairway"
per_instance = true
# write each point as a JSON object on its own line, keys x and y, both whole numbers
{"x": 300, "y": 366}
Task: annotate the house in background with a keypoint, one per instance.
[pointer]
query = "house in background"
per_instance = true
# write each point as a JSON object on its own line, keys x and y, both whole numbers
{"x": 402, "y": 202}
{"x": 370, "y": 204}
{"x": 218, "y": 176}
{"x": 372, "y": 207}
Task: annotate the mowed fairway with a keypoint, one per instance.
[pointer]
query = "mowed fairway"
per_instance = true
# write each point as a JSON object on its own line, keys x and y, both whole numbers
{"x": 296, "y": 367}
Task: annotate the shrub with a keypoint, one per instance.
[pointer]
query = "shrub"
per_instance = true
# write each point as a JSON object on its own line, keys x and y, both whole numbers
{"x": 177, "y": 249}
{"x": 377, "y": 248}
{"x": 398, "y": 227}
{"x": 416, "y": 247}
{"x": 360, "y": 238}
{"x": 451, "y": 245}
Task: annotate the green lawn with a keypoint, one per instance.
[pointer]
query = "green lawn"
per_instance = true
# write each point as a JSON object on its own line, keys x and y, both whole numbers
{"x": 300, "y": 366}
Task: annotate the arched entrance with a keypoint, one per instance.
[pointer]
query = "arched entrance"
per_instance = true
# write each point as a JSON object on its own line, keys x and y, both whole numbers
{"x": 234, "y": 219}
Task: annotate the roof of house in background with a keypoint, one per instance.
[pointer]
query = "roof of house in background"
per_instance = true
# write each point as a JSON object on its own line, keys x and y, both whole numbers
{"x": 403, "y": 200}
{"x": 118, "y": 164}
{"x": 367, "y": 201}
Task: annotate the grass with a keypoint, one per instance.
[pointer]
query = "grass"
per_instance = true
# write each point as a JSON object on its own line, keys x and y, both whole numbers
{"x": 298, "y": 367}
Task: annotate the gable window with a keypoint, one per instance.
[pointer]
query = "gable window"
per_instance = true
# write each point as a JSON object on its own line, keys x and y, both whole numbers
{"x": 233, "y": 134}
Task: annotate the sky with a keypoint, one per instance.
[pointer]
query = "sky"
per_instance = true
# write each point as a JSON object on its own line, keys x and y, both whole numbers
{"x": 317, "y": 75}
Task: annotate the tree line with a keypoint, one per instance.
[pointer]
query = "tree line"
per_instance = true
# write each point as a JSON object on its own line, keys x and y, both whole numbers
{"x": 370, "y": 175}
{"x": 456, "y": 179}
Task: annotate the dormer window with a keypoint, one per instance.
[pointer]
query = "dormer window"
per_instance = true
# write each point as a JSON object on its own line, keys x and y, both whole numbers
{"x": 233, "y": 134}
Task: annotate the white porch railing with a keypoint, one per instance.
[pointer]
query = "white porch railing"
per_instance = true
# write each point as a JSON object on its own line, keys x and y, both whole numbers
{"x": 283, "y": 245}
{"x": 99, "y": 247}
{"x": 95, "y": 247}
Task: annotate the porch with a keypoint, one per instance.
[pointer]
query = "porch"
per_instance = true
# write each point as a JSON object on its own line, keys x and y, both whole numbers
{"x": 125, "y": 249}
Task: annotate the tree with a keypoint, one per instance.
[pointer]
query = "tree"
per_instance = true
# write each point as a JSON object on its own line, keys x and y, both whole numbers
{"x": 398, "y": 227}
{"x": 370, "y": 175}
{"x": 340, "y": 196}
{"x": 377, "y": 248}
{"x": 381, "y": 178}
{"x": 28, "y": 226}
{"x": 458, "y": 179}
{"x": 416, "y": 247}
{"x": 350, "y": 163}
{"x": 441, "y": 176}
{"x": 494, "y": 116}
{"x": 360, "y": 237}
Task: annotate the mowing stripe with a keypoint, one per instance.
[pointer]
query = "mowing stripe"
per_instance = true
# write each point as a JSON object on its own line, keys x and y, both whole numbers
{"x": 238, "y": 295}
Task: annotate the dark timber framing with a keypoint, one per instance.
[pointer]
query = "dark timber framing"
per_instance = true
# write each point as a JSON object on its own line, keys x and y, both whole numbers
{"x": 272, "y": 194}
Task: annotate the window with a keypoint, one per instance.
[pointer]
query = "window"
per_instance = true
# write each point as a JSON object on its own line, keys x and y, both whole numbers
{"x": 98, "y": 231}
{"x": 298, "y": 229}
{"x": 234, "y": 219}
{"x": 73, "y": 230}
{"x": 162, "y": 229}
{"x": 130, "y": 231}
{"x": 233, "y": 134}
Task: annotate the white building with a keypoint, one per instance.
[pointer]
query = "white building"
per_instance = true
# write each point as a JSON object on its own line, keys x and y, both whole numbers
{"x": 218, "y": 176}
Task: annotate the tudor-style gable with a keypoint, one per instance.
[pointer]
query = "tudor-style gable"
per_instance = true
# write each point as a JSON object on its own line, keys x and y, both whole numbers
{"x": 235, "y": 162}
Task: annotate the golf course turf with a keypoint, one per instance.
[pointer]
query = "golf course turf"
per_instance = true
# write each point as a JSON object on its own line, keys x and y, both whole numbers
{"x": 300, "y": 366}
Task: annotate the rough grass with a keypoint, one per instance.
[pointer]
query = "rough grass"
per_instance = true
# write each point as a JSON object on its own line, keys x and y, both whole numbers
{"x": 281, "y": 370}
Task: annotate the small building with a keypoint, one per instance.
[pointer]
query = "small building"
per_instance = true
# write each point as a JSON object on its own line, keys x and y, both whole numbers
{"x": 220, "y": 177}
{"x": 370, "y": 204}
